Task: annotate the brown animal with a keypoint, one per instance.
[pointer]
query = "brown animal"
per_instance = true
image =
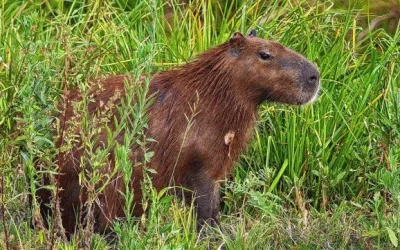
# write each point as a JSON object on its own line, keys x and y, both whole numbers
{"x": 228, "y": 83}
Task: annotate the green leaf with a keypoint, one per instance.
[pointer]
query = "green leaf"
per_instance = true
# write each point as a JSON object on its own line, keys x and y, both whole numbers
{"x": 148, "y": 156}
{"x": 371, "y": 233}
{"x": 392, "y": 236}
{"x": 151, "y": 170}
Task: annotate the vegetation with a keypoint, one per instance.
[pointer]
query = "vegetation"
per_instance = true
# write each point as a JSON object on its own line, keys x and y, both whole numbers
{"x": 325, "y": 176}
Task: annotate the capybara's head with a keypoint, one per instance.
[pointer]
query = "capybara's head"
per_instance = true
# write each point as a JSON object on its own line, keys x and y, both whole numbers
{"x": 272, "y": 72}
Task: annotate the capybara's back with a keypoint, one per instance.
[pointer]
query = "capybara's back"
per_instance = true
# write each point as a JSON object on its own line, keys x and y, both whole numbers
{"x": 201, "y": 120}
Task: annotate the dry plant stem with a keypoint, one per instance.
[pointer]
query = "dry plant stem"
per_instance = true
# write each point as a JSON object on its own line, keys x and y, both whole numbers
{"x": 190, "y": 121}
{"x": 302, "y": 207}
{"x": 374, "y": 23}
{"x": 3, "y": 213}
{"x": 66, "y": 101}
{"x": 324, "y": 198}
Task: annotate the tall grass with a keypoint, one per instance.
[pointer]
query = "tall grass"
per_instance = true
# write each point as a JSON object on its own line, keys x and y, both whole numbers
{"x": 320, "y": 176}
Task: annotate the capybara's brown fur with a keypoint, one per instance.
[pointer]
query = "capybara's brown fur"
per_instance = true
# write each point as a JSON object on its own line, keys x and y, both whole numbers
{"x": 227, "y": 84}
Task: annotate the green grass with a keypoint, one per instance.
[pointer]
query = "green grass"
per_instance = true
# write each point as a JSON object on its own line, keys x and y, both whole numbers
{"x": 325, "y": 176}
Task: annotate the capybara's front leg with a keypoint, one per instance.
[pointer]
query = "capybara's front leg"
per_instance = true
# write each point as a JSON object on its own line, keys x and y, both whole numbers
{"x": 207, "y": 203}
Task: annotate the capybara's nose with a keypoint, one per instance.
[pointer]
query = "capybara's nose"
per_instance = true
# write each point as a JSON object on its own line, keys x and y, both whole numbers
{"x": 310, "y": 76}
{"x": 313, "y": 79}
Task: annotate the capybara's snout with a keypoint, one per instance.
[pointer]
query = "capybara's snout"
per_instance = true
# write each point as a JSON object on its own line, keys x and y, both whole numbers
{"x": 310, "y": 77}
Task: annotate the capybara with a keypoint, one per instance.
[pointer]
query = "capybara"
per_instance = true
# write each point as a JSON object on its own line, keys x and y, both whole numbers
{"x": 226, "y": 84}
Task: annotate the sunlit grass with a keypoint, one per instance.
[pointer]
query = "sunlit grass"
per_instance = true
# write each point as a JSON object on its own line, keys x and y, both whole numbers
{"x": 320, "y": 176}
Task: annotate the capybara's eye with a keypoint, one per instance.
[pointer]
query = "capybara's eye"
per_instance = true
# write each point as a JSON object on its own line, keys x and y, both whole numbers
{"x": 265, "y": 56}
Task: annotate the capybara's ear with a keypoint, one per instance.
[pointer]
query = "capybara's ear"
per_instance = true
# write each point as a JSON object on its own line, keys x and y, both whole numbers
{"x": 235, "y": 43}
{"x": 253, "y": 33}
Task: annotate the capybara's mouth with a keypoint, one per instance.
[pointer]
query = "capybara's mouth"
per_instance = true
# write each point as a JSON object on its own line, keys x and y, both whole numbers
{"x": 314, "y": 97}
